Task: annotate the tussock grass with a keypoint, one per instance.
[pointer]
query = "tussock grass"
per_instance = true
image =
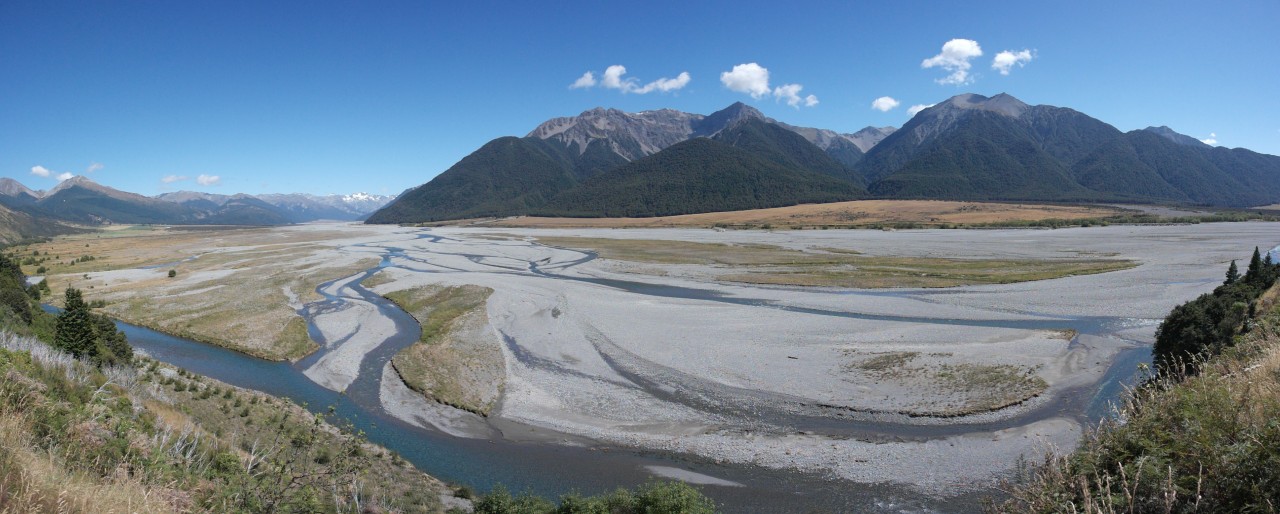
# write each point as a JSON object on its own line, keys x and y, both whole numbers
{"x": 456, "y": 361}
{"x": 887, "y": 362}
{"x": 774, "y": 265}
{"x": 32, "y": 481}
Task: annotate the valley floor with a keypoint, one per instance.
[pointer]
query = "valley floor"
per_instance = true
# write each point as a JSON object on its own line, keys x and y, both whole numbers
{"x": 859, "y": 213}
{"x": 938, "y": 389}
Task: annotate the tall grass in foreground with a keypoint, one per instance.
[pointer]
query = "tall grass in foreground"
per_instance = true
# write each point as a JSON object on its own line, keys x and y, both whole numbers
{"x": 75, "y": 438}
{"x": 33, "y": 477}
{"x": 1203, "y": 443}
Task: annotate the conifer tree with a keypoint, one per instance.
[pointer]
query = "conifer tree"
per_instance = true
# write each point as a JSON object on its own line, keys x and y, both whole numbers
{"x": 1233, "y": 273}
{"x": 74, "y": 330}
{"x": 1254, "y": 274}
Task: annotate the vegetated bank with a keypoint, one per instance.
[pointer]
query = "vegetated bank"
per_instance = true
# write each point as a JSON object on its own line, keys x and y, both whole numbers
{"x": 887, "y": 214}
{"x": 1202, "y": 435}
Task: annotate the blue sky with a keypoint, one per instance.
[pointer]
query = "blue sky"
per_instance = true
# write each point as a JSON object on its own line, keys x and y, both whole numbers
{"x": 338, "y": 97}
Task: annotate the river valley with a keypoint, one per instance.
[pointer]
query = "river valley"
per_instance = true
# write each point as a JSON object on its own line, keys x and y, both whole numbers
{"x": 773, "y": 397}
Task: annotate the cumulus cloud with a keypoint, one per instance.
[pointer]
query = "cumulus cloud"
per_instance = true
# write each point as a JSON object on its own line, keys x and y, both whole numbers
{"x": 93, "y": 167}
{"x": 753, "y": 79}
{"x": 885, "y": 104}
{"x": 612, "y": 78}
{"x": 791, "y": 94}
{"x": 915, "y": 109}
{"x": 587, "y": 80}
{"x": 1211, "y": 140}
{"x": 65, "y": 176}
{"x": 955, "y": 57}
{"x": 664, "y": 84}
{"x": 1006, "y": 60}
{"x": 169, "y": 179}
{"x": 749, "y": 78}
{"x": 208, "y": 180}
{"x": 40, "y": 171}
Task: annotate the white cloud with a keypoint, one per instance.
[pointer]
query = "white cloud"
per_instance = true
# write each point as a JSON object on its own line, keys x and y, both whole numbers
{"x": 65, "y": 176}
{"x": 587, "y": 80}
{"x": 749, "y": 78}
{"x": 208, "y": 180}
{"x": 885, "y": 104}
{"x": 664, "y": 84}
{"x": 93, "y": 167}
{"x": 753, "y": 79}
{"x": 169, "y": 179}
{"x": 791, "y": 93}
{"x": 612, "y": 78}
{"x": 1006, "y": 60}
{"x": 955, "y": 57}
{"x": 1211, "y": 140}
{"x": 40, "y": 171}
{"x": 915, "y": 109}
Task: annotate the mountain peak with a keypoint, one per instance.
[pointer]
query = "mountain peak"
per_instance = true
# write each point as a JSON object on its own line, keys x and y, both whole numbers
{"x": 739, "y": 110}
{"x": 1002, "y": 103}
{"x": 78, "y": 180}
{"x": 869, "y": 137}
{"x": 1176, "y": 137}
{"x": 723, "y": 118}
{"x": 13, "y": 188}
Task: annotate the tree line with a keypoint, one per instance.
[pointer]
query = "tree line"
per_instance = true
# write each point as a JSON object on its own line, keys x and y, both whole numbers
{"x": 1209, "y": 324}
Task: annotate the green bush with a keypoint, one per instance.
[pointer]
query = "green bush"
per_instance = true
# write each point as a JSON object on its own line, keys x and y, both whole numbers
{"x": 652, "y": 498}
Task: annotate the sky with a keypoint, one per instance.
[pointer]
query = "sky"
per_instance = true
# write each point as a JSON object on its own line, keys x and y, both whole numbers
{"x": 338, "y": 97}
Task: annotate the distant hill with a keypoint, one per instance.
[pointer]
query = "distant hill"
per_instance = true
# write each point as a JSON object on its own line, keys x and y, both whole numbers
{"x": 508, "y": 175}
{"x": 977, "y": 148}
{"x": 83, "y": 201}
{"x": 280, "y": 208}
{"x": 17, "y": 226}
{"x": 784, "y": 147}
{"x": 969, "y": 147}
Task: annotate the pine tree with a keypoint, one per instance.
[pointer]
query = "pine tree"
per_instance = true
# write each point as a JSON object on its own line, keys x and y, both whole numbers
{"x": 1254, "y": 274}
{"x": 1233, "y": 273}
{"x": 74, "y": 330}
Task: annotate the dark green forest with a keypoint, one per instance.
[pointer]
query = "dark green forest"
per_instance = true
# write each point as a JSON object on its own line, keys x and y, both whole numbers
{"x": 1042, "y": 153}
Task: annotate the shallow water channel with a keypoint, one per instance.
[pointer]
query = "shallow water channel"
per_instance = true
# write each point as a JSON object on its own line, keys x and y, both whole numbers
{"x": 551, "y": 469}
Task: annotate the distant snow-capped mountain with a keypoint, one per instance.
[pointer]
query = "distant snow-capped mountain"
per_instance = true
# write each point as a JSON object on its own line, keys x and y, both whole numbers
{"x": 81, "y": 200}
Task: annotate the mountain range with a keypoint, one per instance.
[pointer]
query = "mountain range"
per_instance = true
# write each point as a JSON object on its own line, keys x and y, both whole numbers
{"x": 605, "y": 162}
{"x": 82, "y": 201}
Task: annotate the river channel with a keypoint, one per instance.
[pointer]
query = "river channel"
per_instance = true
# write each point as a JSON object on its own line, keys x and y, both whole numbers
{"x": 550, "y": 469}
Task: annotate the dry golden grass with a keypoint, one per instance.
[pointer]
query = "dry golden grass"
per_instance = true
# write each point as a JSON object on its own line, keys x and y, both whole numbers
{"x": 773, "y": 265}
{"x": 235, "y": 293}
{"x": 1200, "y": 443}
{"x": 841, "y": 214}
{"x": 37, "y": 482}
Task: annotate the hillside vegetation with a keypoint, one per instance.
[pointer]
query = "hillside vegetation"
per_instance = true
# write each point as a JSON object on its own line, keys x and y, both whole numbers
{"x": 1202, "y": 435}
{"x": 606, "y": 163}
{"x": 699, "y": 175}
